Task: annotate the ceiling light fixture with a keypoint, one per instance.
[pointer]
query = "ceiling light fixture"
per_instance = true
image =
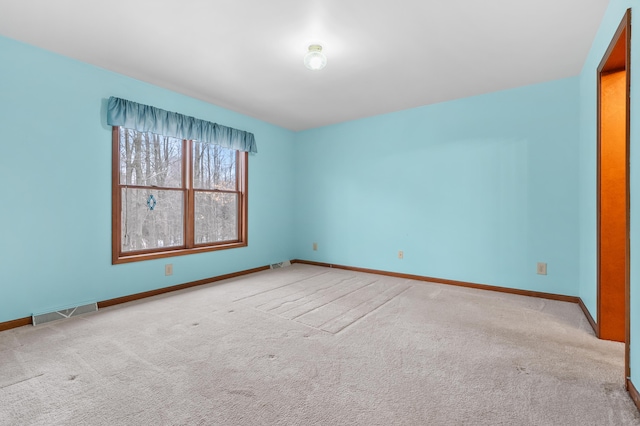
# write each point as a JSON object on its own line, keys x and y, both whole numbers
{"x": 314, "y": 59}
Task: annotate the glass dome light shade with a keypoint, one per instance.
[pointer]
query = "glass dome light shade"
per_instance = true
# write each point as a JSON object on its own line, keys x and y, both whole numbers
{"x": 314, "y": 59}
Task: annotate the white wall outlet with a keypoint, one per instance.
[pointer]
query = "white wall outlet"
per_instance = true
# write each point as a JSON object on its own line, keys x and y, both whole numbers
{"x": 315, "y": 246}
{"x": 541, "y": 269}
{"x": 400, "y": 254}
{"x": 168, "y": 269}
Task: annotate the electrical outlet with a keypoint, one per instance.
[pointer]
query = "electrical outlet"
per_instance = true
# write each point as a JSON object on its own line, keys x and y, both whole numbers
{"x": 315, "y": 246}
{"x": 400, "y": 254}
{"x": 541, "y": 269}
{"x": 168, "y": 269}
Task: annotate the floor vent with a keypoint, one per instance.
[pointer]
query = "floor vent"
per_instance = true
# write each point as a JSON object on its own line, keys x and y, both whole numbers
{"x": 64, "y": 313}
{"x": 281, "y": 264}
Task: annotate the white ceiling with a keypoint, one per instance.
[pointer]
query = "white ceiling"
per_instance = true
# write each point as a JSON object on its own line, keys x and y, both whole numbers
{"x": 383, "y": 55}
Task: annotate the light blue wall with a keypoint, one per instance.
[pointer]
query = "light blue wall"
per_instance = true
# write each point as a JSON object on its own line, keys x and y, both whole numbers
{"x": 588, "y": 140}
{"x": 55, "y": 195}
{"x": 477, "y": 189}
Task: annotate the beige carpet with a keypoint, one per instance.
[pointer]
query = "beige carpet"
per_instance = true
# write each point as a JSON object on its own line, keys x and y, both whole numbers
{"x": 306, "y": 345}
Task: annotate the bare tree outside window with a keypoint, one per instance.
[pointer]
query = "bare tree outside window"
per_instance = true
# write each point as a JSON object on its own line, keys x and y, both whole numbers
{"x": 151, "y": 166}
{"x": 216, "y": 201}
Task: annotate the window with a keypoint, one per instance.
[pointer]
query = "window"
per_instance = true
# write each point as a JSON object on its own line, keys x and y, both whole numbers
{"x": 175, "y": 196}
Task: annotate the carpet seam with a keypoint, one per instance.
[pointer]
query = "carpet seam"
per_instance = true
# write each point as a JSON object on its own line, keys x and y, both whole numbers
{"x": 282, "y": 286}
{"x": 368, "y": 313}
{"x": 333, "y": 300}
{"x": 359, "y": 304}
{"x": 304, "y": 295}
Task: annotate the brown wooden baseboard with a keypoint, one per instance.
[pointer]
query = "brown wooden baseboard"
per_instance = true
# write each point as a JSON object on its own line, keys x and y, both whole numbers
{"x": 15, "y": 323}
{"x": 551, "y": 296}
{"x": 633, "y": 392}
{"x": 106, "y": 303}
{"x": 111, "y": 302}
{"x": 145, "y": 294}
{"x": 587, "y": 314}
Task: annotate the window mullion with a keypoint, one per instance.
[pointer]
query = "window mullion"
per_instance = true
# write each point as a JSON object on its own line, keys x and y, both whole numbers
{"x": 240, "y": 166}
{"x": 189, "y": 196}
{"x": 238, "y": 169}
{"x": 116, "y": 203}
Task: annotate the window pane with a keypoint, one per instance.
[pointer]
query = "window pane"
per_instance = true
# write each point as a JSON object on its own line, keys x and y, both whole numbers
{"x": 214, "y": 167}
{"x": 150, "y": 160}
{"x": 151, "y": 219}
{"x": 216, "y": 217}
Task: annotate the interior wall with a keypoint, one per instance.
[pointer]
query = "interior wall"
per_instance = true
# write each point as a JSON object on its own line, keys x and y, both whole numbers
{"x": 478, "y": 189}
{"x": 55, "y": 169}
{"x": 587, "y": 172}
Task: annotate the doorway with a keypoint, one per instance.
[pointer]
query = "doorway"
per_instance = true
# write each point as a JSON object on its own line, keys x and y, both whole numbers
{"x": 613, "y": 188}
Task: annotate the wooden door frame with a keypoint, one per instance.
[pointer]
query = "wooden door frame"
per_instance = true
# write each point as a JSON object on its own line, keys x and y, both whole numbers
{"x": 625, "y": 25}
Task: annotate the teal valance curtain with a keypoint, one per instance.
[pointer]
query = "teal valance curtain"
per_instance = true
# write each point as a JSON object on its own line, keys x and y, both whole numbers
{"x": 145, "y": 118}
